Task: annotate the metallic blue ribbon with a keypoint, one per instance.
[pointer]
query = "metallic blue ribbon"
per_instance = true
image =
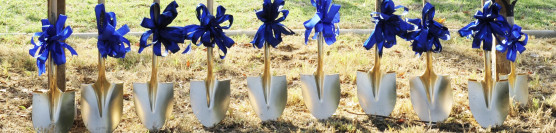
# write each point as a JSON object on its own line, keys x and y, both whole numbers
{"x": 51, "y": 41}
{"x": 271, "y": 31}
{"x": 488, "y": 22}
{"x": 168, "y": 36}
{"x": 324, "y": 21}
{"x": 429, "y": 32}
{"x": 388, "y": 25}
{"x": 111, "y": 42}
{"x": 513, "y": 43}
{"x": 210, "y": 31}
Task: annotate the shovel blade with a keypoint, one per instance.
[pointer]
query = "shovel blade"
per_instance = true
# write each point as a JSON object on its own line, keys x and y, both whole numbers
{"x": 272, "y": 107}
{"x": 437, "y": 106}
{"x": 489, "y": 112}
{"x": 212, "y": 113}
{"x": 53, "y": 119}
{"x": 376, "y": 104}
{"x": 107, "y": 118}
{"x": 325, "y": 106}
{"x": 153, "y": 119}
{"x": 519, "y": 91}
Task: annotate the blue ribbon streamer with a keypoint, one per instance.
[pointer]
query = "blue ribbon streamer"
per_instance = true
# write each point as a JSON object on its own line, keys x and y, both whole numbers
{"x": 488, "y": 22}
{"x": 513, "y": 43}
{"x": 429, "y": 32}
{"x": 388, "y": 25}
{"x": 324, "y": 21}
{"x": 51, "y": 42}
{"x": 162, "y": 34}
{"x": 271, "y": 31}
{"x": 111, "y": 42}
{"x": 210, "y": 31}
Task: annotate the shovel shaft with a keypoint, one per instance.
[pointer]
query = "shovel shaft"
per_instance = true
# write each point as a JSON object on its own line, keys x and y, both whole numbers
{"x": 429, "y": 69}
{"x": 210, "y": 65}
{"x": 320, "y": 69}
{"x": 210, "y": 5}
{"x": 266, "y": 73}
{"x": 488, "y": 73}
{"x": 52, "y": 17}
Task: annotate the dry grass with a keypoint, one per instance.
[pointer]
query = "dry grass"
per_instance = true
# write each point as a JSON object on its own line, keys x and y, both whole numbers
{"x": 18, "y": 78}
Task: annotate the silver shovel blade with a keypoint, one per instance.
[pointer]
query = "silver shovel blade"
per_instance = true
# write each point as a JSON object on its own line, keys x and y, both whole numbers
{"x": 435, "y": 107}
{"x": 60, "y": 120}
{"x": 489, "y": 112}
{"x": 106, "y": 118}
{"x": 153, "y": 119}
{"x": 519, "y": 91}
{"x": 325, "y": 106}
{"x": 381, "y": 103}
{"x": 272, "y": 107}
{"x": 213, "y": 112}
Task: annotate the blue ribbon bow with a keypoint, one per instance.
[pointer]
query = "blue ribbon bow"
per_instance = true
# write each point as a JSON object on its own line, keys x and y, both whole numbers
{"x": 513, "y": 43}
{"x": 51, "y": 41}
{"x": 429, "y": 32}
{"x": 210, "y": 31}
{"x": 271, "y": 31}
{"x": 388, "y": 25}
{"x": 324, "y": 21}
{"x": 488, "y": 22}
{"x": 169, "y": 36}
{"x": 111, "y": 42}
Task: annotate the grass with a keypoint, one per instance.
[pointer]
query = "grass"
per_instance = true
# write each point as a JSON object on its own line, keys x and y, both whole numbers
{"x": 19, "y": 78}
{"x": 24, "y": 16}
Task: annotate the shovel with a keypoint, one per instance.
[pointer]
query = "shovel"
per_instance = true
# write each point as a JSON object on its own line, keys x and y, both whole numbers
{"x": 431, "y": 94}
{"x": 153, "y": 101}
{"x": 321, "y": 92}
{"x": 519, "y": 91}
{"x": 210, "y": 98}
{"x": 268, "y": 94}
{"x": 54, "y": 110}
{"x": 489, "y": 99}
{"x": 376, "y": 90}
{"x": 102, "y": 102}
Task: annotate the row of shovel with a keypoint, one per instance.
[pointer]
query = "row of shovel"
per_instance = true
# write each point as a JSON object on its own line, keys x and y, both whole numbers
{"x": 431, "y": 96}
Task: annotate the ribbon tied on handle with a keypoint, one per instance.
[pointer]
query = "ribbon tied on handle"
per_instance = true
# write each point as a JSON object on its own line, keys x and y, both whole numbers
{"x": 387, "y": 26}
{"x": 111, "y": 42}
{"x": 324, "y": 21}
{"x": 162, "y": 34}
{"x": 210, "y": 31}
{"x": 271, "y": 31}
{"x": 429, "y": 32}
{"x": 488, "y": 22}
{"x": 514, "y": 42}
{"x": 51, "y": 41}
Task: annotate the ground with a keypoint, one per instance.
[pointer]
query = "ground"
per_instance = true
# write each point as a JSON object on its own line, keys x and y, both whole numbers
{"x": 19, "y": 77}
